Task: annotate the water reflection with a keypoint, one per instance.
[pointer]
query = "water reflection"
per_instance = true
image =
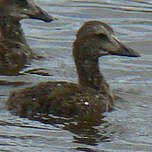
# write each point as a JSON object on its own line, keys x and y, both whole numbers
{"x": 85, "y": 131}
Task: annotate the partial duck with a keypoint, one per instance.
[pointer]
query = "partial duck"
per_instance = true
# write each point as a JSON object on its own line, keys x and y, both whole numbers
{"x": 14, "y": 50}
{"x": 91, "y": 95}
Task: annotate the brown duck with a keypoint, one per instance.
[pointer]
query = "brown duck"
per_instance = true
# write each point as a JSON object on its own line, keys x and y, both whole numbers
{"x": 14, "y": 50}
{"x": 91, "y": 95}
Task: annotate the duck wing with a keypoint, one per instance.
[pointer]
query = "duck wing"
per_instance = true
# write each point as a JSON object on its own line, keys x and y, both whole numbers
{"x": 58, "y": 98}
{"x": 13, "y": 56}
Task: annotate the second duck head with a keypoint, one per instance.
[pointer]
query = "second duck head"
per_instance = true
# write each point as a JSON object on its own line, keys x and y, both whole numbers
{"x": 22, "y": 9}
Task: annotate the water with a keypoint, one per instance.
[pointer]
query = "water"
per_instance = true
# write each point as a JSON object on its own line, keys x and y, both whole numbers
{"x": 128, "y": 127}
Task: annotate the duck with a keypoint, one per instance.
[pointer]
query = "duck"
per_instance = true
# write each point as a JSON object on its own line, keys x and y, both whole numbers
{"x": 15, "y": 53}
{"x": 91, "y": 96}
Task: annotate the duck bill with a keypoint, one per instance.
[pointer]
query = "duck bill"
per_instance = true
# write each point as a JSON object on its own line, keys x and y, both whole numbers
{"x": 41, "y": 15}
{"x": 32, "y": 11}
{"x": 114, "y": 47}
{"x": 125, "y": 51}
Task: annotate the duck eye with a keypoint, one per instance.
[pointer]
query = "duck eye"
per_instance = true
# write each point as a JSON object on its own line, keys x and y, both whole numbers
{"x": 103, "y": 36}
{"x": 22, "y": 1}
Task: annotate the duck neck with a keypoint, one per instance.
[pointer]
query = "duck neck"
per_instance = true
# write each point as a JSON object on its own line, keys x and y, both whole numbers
{"x": 10, "y": 29}
{"x": 89, "y": 74}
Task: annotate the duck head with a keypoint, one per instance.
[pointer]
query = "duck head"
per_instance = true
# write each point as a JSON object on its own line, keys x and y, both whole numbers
{"x": 95, "y": 39}
{"x": 21, "y": 9}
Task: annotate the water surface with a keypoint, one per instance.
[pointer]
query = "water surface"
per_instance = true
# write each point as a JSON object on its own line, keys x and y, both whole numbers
{"x": 128, "y": 127}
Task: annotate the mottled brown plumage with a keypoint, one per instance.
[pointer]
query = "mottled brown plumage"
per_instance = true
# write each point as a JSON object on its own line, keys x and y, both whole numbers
{"x": 91, "y": 96}
{"x": 14, "y": 51}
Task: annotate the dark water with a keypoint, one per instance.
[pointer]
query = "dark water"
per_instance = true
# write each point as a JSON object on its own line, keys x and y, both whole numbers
{"x": 128, "y": 127}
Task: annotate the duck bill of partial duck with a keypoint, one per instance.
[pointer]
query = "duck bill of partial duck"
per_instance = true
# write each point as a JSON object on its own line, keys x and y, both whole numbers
{"x": 33, "y": 11}
{"x": 40, "y": 14}
{"x": 114, "y": 47}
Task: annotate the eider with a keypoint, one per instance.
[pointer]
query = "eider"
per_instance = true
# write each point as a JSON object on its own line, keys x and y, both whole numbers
{"x": 14, "y": 50}
{"x": 91, "y": 95}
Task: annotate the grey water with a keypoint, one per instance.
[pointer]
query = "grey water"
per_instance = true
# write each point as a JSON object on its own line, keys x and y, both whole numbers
{"x": 128, "y": 128}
